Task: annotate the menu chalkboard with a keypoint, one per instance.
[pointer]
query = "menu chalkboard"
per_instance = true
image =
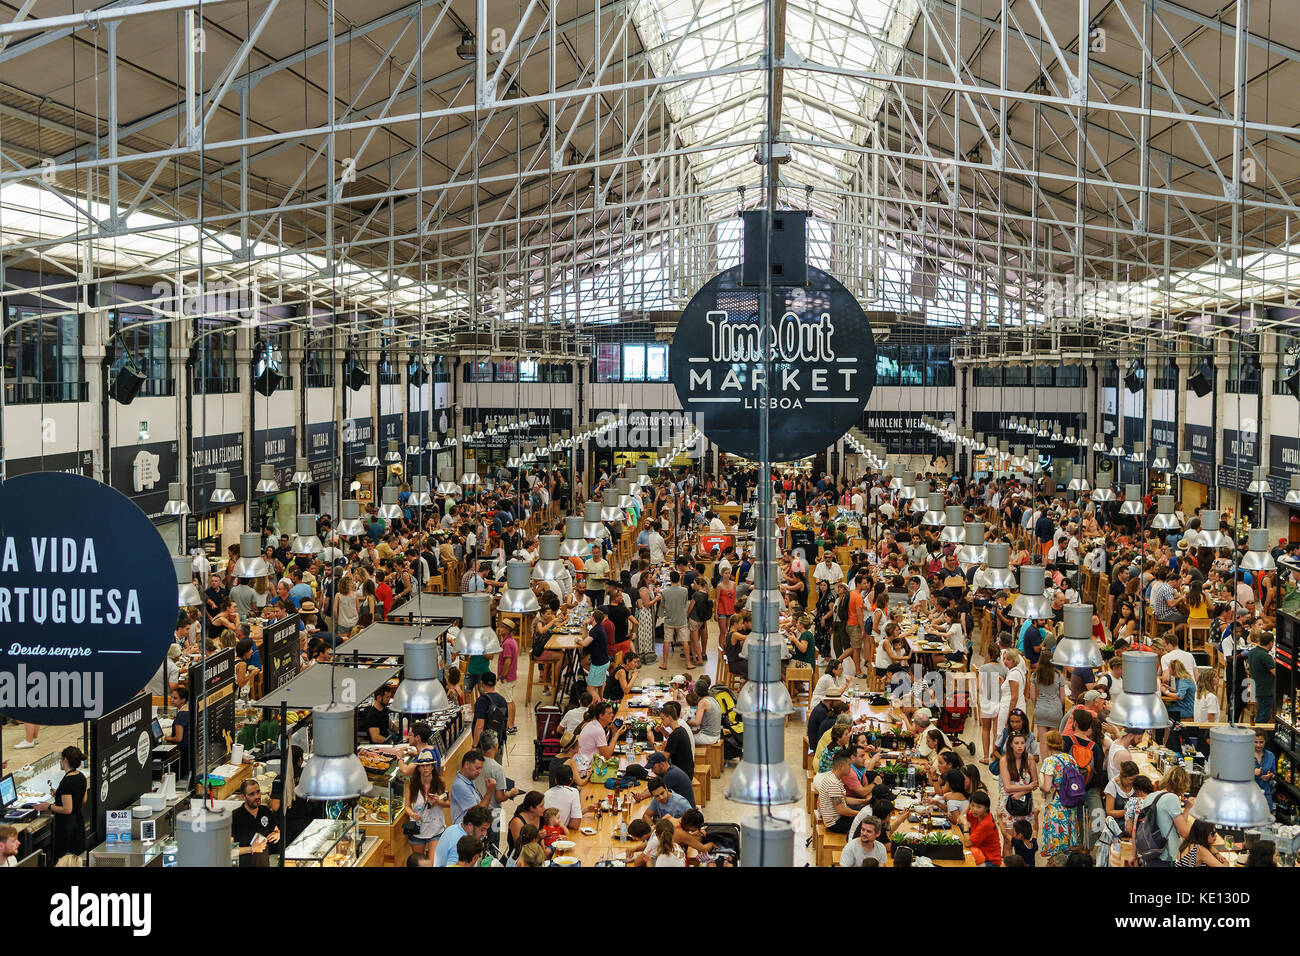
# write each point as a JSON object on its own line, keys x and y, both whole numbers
{"x": 212, "y": 691}
{"x": 281, "y": 655}
{"x": 119, "y": 757}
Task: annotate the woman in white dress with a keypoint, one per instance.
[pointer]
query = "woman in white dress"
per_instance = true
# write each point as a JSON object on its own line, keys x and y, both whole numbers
{"x": 1013, "y": 688}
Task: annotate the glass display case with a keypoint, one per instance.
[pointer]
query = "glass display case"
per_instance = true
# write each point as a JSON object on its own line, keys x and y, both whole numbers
{"x": 324, "y": 843}
{"x": 38, "y": 780}
{"x": 385, "y": 802}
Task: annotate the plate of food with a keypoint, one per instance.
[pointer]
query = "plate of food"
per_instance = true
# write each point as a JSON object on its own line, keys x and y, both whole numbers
{"x": 565, "y": 861}
{"x": 563, "y": 846}
{"x": 588, "y": 831}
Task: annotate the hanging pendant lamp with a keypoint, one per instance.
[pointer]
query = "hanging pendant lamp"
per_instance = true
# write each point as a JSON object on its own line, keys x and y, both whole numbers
{"x": 420, "y": 497}
{"x": 266, "y": 484}
{"x": 1258, "y": 557}
{"x": 250, "y": 563}
{"x": 518, "y": 596}
{"x": 999, "y": 573}
{"x": 934, "y": 516}
{"x": 350, "y": 524}
{"x": 1076, "y": 647}
{"x": 476, "y": 637}
{"x": 1231, "y": 797}
{"x": 1138, "y": 704}
{"x": 390, "y": 510}
{"x": 301, "y": 472}
{"x": 333, "y": 771}
{"x": 954, "y": 531}
{"x": 176, "y": 505}
{"x": 1164, "y": 519}
{"x": 973, "y": 551}
{"x": 393, "y": 456}
{"x": 420, "y": 692}
{"x": 187, "y": 592}
{"x": 1031, "y": 603}
{"x": 1211, "y": 535}
{"x": 371, "y": 457}
{"x": 447, "y": 482}
{"x": 1184, "y": 466}
{"x": 592, "y": 528}
{"x": 305, "y": 541}
{"x": 221, "y": 493}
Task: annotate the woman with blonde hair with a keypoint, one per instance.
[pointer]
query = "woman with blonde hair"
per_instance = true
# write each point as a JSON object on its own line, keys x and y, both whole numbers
{"x": 1013, "y": 687}
{"x": 1047, "y": 691}
{"x": 347, "y": 607}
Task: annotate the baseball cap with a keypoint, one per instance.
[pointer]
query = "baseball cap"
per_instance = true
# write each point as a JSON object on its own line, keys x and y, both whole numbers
{"x": 923, "y": 713}
{"x": 1092, "y": 695}
{"x": 656, "y": 758}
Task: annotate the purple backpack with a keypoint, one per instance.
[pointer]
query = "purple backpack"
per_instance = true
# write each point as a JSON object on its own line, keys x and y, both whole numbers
{"x": 1074, "y": 784}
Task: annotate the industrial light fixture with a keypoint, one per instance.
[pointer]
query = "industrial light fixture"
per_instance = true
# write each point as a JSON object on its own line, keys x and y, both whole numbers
{"x": 350, "y": 524}
{"x": 333, "y": 771}
{"x": 221, "y": 493}
{"x": 550, "y": 566}
{"x": 1043, "y": 431}
{"x": 574, "y": 545}
{"x": 393, "y": 456}
{"x": 1164, "y": 518}
{"x": 466, "y": 49}
{"x": 1118, "y": 448}
{"x": 512, "y": 457}
{"x": 1031, "y": 603}
{"x": 592, "y": 528}
{"x": 447, "y": 482}
{"x": 1260, "y": 485}
{"x": 610, "y": 509}
{"x": 476, "y": 637}
{"x": 1103, "y": 493}
{"x": 1056, "y": 432}
{"x": 1258, "y": 557}
{"x": 470, "y": 478}
{"x": 1099, "y": 444}
{"x": 1069, "y": 437}
{"x": 301, "y": 472}
{"x": 1211, "y": 535}
{"x": 1138, "y": 705}
{"x": 250, "y": 563}
{"x": 187, "y": 592}
{"x": 518, "y": 596}
{"x": 1184, "y": 466}
{"x": 1231, "y": 797}
{"x": 934, "y": 516}
{"x": 1293, "y": 495}
{"x": 267, "y": 485}
{"x": 1132, "y": 501}
{"x": 1077, "y": 483}
{"x": 1076, "y": 647}
{"x": 999, "y": 574}
{"x": 1161, "y": 461}
{"x": 973, "y": 551}
{"x": 176, "y": 505}
{"x": 953, "y": 531}
{"x": 420, "y": 692}
{"x": 371, "y": 459}
{"x": 413, "y": 446}
{"x": 305, "y": 541}
{"x": 1139, "y": 453}
{"x": 419, "y": 496}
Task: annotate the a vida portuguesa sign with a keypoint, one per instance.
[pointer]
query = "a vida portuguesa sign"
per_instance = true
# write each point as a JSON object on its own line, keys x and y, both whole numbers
{"x": 87, "y": 599}
{"x": 817, "y": 357}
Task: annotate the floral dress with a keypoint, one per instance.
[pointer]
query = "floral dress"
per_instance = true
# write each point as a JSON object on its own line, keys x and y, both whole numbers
{"x": 1060, "y": 824}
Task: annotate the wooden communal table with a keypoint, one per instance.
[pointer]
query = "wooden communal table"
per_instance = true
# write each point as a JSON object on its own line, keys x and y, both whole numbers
{"x": 567, "y": 643}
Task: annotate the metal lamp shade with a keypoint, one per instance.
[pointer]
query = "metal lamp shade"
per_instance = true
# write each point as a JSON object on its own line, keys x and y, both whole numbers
{"x": 266, "y": 483}
{"x": 221, "y": 493}
{"x": 420, "y": 691}
{"x": 476, "y": 637}
{"x": 250, "y": 563}
{"x": 350, "y": 523}
{"x": 973, "y": 551}
{"x": 1161, "y": 461}
{"x": 187, "y": 592}
{"x": 763, "y": 777}
{"x": 934, "y": 516}
{"x": 1117, "y": 449}
{"x": 1211, "y": 536}
{"x": 999, "y": 573}
{"x": 447, "y": 482}
{"x": 764, "y": 697}
{"x": 1165, "y": 519}
{"x": 203, "y": 838}
{"x": 1184, "y": 466}
{"x": 432, "y": 444}
{"x": 920, "y": 503}
{"x": 610, "y": 509}
{"x": 390, "y": 510}
{"x": 1031, "y": 603}
{"x": 1139, "y": 453}
{"x": 1260, "y": 485}
{"x": 907, "y": 493}
{"x": 1078, "y": 483}
{"x": 1132, "y": 500}
{"x": 512, "y": 457}
{"x": 978, "y": 443}
{"x": 518, "y": 596}
{"x": 392, "y": 456}
{"x": 1258, "y": 557}
{"x": 333, "y": 771}
{"x": 371, "y": 459}
{"x": 301, "y": 472}
{"x": 1099, "y": 445}
{"x": 1138, "y": 704}
{"x": 305, "y": 541}
{"x": 1076, "y": 648}
{"x": 1231, "y": 798}
{"x": 176, "y": 504}
{"x": 420, "y": 497}
{"x": 643, "y": 473}
{"x": 470, "y": 478}
{"x": 575, "y": 544}
{"x": 954, "y": 531}
{"x": 550, "y": 566}
{"x": 1293, "y": 495}
{"x": 626, "y": 500}
{"x": 413, "y": 447}
{"x": 592, "y": 529}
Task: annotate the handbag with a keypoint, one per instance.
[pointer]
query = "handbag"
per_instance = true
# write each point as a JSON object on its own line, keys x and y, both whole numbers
{"x": 603, "y": 768}
{"x": 1022, "y": 806}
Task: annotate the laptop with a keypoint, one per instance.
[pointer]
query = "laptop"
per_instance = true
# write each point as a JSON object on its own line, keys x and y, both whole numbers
{"x": 156, "y": 732}
{"x": 8, "y": 797}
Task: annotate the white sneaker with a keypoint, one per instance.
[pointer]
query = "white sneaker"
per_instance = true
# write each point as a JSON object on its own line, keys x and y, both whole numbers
{"x": 25, "y": 744}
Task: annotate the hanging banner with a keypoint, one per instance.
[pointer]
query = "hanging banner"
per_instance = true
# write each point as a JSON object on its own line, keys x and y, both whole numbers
{"x": 1164, "y": 434}
{"x": 357, "y": 434}
{"x": 209, "y": 455}
{"x": 87, "y": 599}
{"x": 390, "y": 429}
{"x": 321, "y": 449}
{"x": 120, "y": 752}
{"x": 1199, "y": 440}
{"x": 820, "y": 357}
{"x": 142, "y": 473}
{"x": 1240, "y": 448}
{"x": 276, "y": 446}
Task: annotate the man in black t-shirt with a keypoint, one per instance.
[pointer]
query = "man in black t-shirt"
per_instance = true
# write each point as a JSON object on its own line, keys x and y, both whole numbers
{"x": 679, "y": 745}
{"x": 491, "y": 710}
{"x": 253, "y": 827}
{"x": 376, "y": 724}
{"x": 617, "y": 612}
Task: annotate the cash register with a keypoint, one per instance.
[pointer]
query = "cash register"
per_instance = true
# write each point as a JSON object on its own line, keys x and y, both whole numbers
{"x": 165, "y": 758}
{"x": 9, "y": 812}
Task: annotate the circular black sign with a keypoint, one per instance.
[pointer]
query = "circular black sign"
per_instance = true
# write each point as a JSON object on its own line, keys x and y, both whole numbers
{"x": 822, "y": 364}
{"x": 87, "y": 599}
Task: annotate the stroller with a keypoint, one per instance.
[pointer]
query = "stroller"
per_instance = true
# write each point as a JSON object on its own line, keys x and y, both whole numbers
{"x": 547, "y": 744}
{"x": 725, "y": 838}
{"x": 733, "y": 730}
{"x": 953, "y": 713}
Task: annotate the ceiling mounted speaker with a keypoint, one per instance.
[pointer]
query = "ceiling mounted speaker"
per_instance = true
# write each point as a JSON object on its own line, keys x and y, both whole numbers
{"x": 1201, "y": 381}
{"x": 416, "y": 375}
{"x": 1292, "y": 381}
{"x": 267, "y": 381}
{"x": 1135, "y": 379}
{"x": 357, "y": 376}
{"x": 125, "y": 386}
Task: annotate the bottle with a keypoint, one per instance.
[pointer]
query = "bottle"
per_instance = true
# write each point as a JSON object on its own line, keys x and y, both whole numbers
{"x": 622, "y": 827}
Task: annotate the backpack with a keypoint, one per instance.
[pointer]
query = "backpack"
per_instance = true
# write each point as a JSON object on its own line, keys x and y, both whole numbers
{"x": 1082, "y": 758}
{"x": 498, "y": 714}
{"x": 1073, "y": 786}
{"x": 1148, "y": 841}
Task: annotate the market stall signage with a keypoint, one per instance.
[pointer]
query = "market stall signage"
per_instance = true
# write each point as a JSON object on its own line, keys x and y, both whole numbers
{"x": 119, "y": 759}
{"x": 87, "y": 599}
{"x": 1200, "y": 442}
{"x": 817, "y": 358}
{"x": 276, "y": 446}
{"x": 1240, "y": 448}
{"x": 72, "y": 462}
{"x": 212, "y": 692}
{"x": 280, "y": 653}
{"x": 321, "y": 449}
{"x": 142, "y": 473}
{"x": 357, "y": 434}
{"x": 213, "y": 453}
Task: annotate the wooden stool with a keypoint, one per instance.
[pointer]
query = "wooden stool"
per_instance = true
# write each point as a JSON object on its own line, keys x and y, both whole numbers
{"x": 539, "y": 672}
{"x": 716, "y": 759}
{"x": 700, "y": 784}
{"x": 799, "y": 676}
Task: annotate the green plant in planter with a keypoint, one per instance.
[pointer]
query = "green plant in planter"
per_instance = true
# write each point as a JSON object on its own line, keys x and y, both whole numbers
{"x": 940, "y": 839}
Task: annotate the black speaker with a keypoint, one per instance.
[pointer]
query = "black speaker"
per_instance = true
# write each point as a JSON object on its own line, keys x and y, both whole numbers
{"x": 1135, "y": 378}
{"x": 788, "y": 252}
{"x": 1201, "y": 381}
{"x": 125, "y": 386}
{"x": 267, "y": 381}
{"x": 357, "y": 376}
{"x": 1291, "y": 379}
{"x": 416, "y": 375}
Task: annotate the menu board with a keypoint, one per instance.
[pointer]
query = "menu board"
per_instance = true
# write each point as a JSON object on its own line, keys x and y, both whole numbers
{"x": 281, "y": 654}
{"x": 212, "y": 692}
{"x": 119, "y": 758}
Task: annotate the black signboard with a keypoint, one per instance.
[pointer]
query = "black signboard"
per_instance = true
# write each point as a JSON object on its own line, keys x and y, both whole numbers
{"x": 549, "y": 422}
{"x": 817, "y": 359}
{"x": 281, "y": 657}
{"x": 1240, "y": 448}
{"x": 1236, "y": 479}
{"x": 278, "y": 447}
{"x": 212, "y": 691}
{"x": 640, "y": 430}
{"x": 1284, "y": 456}
{"x": 1001, "y": 425}
{"x": 1199, "y": 440}
{"x": 901, "y": 432}
{"x": 1164, "y": 434}
{"x": 119, "y": 758}
{"x": 1135, "y": 430}
{"x": 209, "y": 455}
{"x": 142, "y": 473}
{"x": 357, "y": 434}
{"x": 390, "y": 429}
{"x": 72, "y": 463}
{"x": 321, "y": 449}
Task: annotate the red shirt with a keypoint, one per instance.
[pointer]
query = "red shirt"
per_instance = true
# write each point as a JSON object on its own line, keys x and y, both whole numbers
{"x": 984, "y": 837}
{"x": 384, "y": 594}
{"x": 608, "y": 627}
